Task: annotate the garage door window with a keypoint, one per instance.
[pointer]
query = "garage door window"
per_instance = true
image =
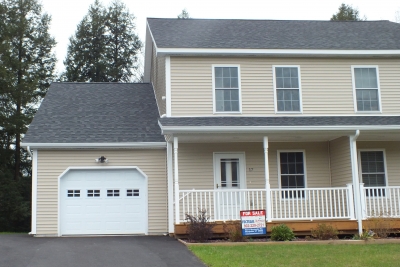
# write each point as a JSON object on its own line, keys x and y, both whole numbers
{"x": 74, "y": 193}
{"x": 132, "y": 192}
{"x": 93, "y": 193}
{"x": 113, "y": 193}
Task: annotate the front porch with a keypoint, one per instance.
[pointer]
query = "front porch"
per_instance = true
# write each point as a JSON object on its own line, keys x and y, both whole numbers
{"x": 297, "y": 183}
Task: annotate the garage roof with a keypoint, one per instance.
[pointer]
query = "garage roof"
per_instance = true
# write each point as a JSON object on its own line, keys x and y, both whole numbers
{"x": 96, "y": 113}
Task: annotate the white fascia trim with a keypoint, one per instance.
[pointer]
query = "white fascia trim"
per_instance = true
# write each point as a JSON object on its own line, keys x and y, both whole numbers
{"x": 97, "y": 145}
{"x": 219, "y": 51}
{"x": 168, "y": 99}
{"x": 251, "y": 129}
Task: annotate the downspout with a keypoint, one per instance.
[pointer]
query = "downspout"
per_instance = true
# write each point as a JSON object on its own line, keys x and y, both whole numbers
{"x": 356, "y": 182}
{"x": 29, "y": 151}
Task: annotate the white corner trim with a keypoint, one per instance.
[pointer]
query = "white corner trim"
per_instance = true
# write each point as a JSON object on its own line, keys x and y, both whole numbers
{"x": 100, "y": 168}
{"x": 321, "y": 52}
{"x": 168, "y": 100}
{"x": 170, "y": 178}
{"x": 34, "y": 191}
{"x": 97, "y": 145}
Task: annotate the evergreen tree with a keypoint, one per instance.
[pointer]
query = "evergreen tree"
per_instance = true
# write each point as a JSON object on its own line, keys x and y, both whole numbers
{"x": 347, "y": 12}
{"x": 26, "y": 71}
{"x": 105, "y": 46}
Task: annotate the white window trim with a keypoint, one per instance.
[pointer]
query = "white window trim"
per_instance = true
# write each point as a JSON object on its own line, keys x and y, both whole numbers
{"x": 304, "y": 166}
{"x": 354, "y": 88}
{"x": 384, "y": 163}
{"x": 213, "y": 89}
{"x": 300, "y": 89}
{"x": 242, "y": 166}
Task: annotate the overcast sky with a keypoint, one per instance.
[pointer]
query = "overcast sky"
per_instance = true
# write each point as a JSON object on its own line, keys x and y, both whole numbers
{"x": 66, "y": 14}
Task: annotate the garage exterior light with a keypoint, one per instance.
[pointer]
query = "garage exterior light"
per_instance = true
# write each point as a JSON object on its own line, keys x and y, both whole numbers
{"x": 102, "y": 159}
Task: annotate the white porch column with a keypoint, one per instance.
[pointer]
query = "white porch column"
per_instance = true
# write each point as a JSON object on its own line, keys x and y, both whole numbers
{"x": 176, "y": 178}
{"x": 356, "y": 183}
{"x": 170, "y": 187}
{"x": 268, "y": 203}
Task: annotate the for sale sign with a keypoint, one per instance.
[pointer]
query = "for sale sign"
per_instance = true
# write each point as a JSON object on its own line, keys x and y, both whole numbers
{"x": 253, "y": 222}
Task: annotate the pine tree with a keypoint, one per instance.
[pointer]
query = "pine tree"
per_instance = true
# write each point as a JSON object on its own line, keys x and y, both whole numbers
{"x": 105, "y": 47}
{"x": 184, "y": 14}
{"x": 26, "y": 71}
{"x": 347, "y": 12}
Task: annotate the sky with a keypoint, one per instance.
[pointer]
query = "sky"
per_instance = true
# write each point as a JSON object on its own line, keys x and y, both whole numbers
{"x": 66, "y": 14}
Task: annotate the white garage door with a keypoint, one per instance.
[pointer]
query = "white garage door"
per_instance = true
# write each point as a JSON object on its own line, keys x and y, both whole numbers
{"x": 106, "y": 201}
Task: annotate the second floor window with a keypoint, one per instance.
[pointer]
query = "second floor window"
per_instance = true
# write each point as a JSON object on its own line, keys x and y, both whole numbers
{"x": 226, "y": 84}
{"x": 287, "y": 86}
{"x": 366, "y": 88}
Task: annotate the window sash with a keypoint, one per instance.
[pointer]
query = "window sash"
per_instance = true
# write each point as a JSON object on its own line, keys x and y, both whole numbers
{"x": 366, "y": 87}
{"x": 287, "y": 88}
{"x": 373, "y": 164}
{"x": 226, "y": 87}
{"x": 291, "y": 172}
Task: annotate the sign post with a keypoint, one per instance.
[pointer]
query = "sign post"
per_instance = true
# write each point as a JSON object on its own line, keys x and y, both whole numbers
{"x": 253, "y": 222}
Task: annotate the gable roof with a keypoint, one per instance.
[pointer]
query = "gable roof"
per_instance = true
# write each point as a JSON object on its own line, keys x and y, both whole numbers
{"x": 274, "y": 34}
{"x": 96, "y": 113}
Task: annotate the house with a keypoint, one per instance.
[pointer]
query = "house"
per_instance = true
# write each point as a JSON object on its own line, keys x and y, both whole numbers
{"x": 300, "y": 118}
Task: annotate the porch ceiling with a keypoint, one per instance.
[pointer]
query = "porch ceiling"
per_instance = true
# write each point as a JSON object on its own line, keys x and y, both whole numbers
{"x": 286, "y": 136}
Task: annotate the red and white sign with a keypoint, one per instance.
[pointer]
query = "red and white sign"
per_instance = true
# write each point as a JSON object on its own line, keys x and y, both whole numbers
{"x": 253, "y": 222}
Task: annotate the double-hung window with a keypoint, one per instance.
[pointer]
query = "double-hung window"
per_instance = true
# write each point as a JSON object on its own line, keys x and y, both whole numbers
{"x": 287, "y": 88}
{"x": 373, "y": 172}
{"x": 366, "y": 86}
{"x": 226, "y": 89}
{"x": 292, "y": 174}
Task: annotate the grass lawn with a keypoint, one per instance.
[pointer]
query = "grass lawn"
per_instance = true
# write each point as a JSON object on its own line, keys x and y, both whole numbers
{"x": 380, "y": 255}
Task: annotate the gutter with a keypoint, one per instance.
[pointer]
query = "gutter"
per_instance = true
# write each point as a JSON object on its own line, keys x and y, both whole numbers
{"x": 263, "y": 129}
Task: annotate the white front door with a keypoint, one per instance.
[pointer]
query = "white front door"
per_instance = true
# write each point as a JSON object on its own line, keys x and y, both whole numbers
{"x": 229, "y": 173}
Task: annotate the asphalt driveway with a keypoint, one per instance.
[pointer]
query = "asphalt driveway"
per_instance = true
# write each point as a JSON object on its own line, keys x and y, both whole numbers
{"x": 119, "y": 251}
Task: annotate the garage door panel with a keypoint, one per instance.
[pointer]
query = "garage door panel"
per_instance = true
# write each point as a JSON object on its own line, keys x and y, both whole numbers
{"x": 115, "y": 209}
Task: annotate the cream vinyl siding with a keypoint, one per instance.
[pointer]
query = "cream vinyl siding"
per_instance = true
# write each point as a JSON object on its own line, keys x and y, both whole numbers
{"x": 196, "y": 163}
{"x": 51, "y": 163}
{"x": 392, "y": 153}
{"x": 157, "y": 78}
{"x": 326, "y": 84}
{"x": 340, "y": 161}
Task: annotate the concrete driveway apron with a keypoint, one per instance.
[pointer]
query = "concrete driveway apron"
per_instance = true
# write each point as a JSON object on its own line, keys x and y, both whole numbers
{"x": 116, "y": 251}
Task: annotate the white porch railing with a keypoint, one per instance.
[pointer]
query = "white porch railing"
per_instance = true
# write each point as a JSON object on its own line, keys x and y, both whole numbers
{"x": 286, "y": 204}
{"x": 380, "y": 201}
{"x": 312, "y": 203}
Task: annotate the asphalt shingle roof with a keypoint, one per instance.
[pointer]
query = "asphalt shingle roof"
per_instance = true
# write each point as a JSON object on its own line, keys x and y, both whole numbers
{"x": 282, "y": 121}
{"x": 96, "y": 113}
{"x": 275, "y": 34}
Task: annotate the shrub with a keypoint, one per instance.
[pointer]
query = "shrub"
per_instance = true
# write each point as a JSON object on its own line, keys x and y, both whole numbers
{"x": 365, "y": 235}
{"x": 199, "y": 228}
{"x": 233, "y": 231}
{"x": 325, "y": 232}
{"x": 380, "y": 224}
{"x": 282, "y": 233}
